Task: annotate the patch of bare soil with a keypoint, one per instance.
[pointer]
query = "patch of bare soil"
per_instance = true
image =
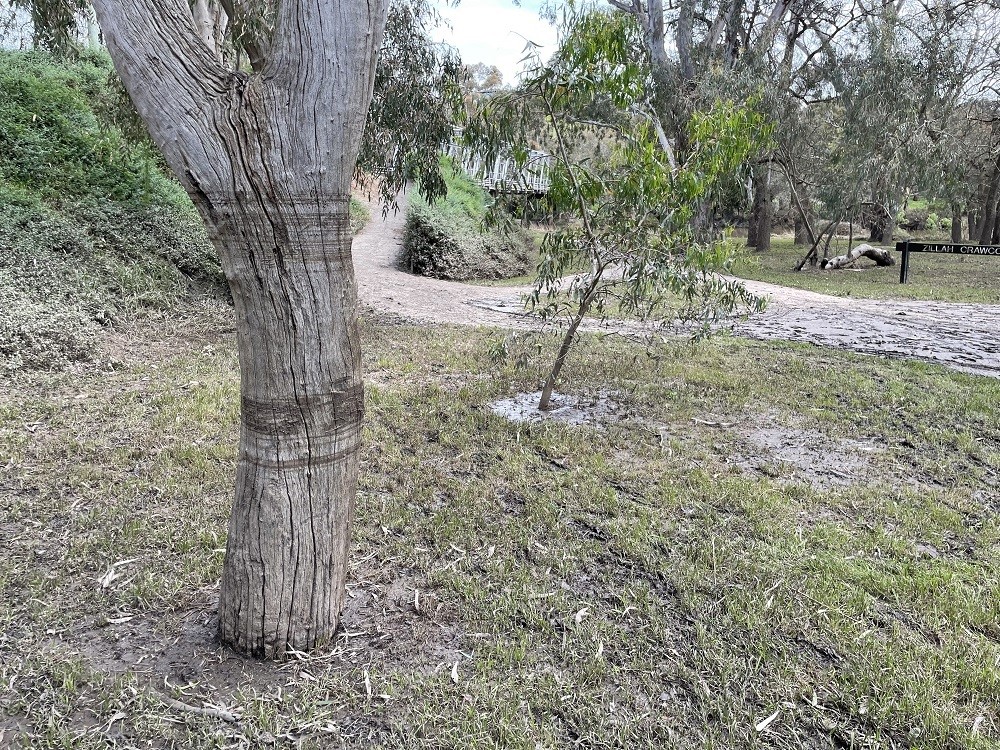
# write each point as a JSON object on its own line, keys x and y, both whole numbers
{"x": 386, "y": 622}
{"x": 797, "y": 454}
{"x": 572, "y": 410}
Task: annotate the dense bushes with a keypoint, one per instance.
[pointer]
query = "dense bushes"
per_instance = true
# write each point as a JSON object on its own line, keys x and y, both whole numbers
{"x": 445, "y": 239}
{"x": 91, "y": 229}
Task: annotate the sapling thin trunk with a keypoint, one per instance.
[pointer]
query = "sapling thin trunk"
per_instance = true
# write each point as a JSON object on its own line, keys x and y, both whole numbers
{"x": 567, "y": 342}
{"x": 597, "y": 268}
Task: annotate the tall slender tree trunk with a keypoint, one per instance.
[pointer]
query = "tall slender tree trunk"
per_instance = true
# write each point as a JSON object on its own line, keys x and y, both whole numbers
{"x": 805, "y": 219}
{"x": 801, "y": 233}
{"x": 759, "y": 226}
{"x": 93, "y": 30}
{"x": 956, "y": 223}
{"x": 267, "y": 160}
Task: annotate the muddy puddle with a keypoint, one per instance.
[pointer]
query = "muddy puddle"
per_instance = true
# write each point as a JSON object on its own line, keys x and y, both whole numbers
{"x": 805, "y": 455}
{"x": 572, "y": 410}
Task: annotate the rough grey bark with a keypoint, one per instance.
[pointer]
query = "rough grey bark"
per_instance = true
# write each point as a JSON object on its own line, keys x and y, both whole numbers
{"x": 759, "y": 226}
{"x": 268, "y": 159}
{"x": 204, "y": 22}
{"x": 804, "y": 234}
{"x": 956, "y": 223}
{"x": 685, "y": 39}
{"x": 883, "y": 224}
{"x": 801, "y": 232}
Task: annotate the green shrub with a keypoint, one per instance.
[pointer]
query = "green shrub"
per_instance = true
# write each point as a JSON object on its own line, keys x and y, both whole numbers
{"x": 91, "y": 229}
{"x": 446, "y": 240}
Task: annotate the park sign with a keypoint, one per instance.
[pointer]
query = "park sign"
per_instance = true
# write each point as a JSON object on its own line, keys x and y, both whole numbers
{"x": 952, "y": 248}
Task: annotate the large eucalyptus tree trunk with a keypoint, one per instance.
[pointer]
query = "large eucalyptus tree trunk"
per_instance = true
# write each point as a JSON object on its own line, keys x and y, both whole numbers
{"x": 267, "y": 159}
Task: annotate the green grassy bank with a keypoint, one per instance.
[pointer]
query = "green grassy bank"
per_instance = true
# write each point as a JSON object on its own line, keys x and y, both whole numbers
{"x": 91, "y": 229}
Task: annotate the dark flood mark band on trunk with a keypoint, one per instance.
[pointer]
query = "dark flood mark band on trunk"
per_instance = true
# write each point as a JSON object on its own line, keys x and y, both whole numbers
{"x": 315, "y": 459}
{"x": 319, "y": 414}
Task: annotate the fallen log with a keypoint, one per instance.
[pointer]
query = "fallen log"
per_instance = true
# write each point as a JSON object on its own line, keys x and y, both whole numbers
{"x": 877, "y": 254}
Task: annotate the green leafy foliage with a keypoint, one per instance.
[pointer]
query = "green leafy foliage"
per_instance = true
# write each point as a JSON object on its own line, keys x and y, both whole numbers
{"x": 55, "y": 22}
{"x": 53, "y": 145}
{"x": 91, "y": 230}
{"x": 360, "y": 215}
{"x": 416, "y": 101}
{"x": 446, "y": 239}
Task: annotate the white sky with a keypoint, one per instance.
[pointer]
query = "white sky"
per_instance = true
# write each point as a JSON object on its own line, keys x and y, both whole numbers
{"x": 494, "y": 32}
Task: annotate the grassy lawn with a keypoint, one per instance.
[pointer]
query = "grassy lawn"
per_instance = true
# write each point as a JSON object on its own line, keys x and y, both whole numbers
{"x": 773, "y": 546}
{"x": 932, "y": 277}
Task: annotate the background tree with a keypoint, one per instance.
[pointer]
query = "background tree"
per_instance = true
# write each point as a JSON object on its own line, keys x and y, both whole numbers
{"x": 416, "y": 102}
{"x": 699, "y": 52}
{"x": 873, "y": 96}
{"x": 479, "y": 80}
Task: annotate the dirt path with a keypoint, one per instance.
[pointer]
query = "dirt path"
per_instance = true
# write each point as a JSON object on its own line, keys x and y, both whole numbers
{"x": 383, "y": 286}
{"x": 961, "y": 336}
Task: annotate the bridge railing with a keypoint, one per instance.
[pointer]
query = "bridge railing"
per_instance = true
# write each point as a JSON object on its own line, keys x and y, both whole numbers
{"x": 504, "y": 173}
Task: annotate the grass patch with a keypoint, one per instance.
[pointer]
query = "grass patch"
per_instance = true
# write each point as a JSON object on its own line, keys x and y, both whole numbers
{"x": 950, "y": 278}
{"x": 625, "y": 586}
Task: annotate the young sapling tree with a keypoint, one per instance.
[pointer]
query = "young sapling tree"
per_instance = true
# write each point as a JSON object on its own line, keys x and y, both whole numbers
{"x": 635, "y": 207}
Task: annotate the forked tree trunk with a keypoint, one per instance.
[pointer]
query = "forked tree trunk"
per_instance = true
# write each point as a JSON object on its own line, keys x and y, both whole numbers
{"x": 268, "y": 159}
